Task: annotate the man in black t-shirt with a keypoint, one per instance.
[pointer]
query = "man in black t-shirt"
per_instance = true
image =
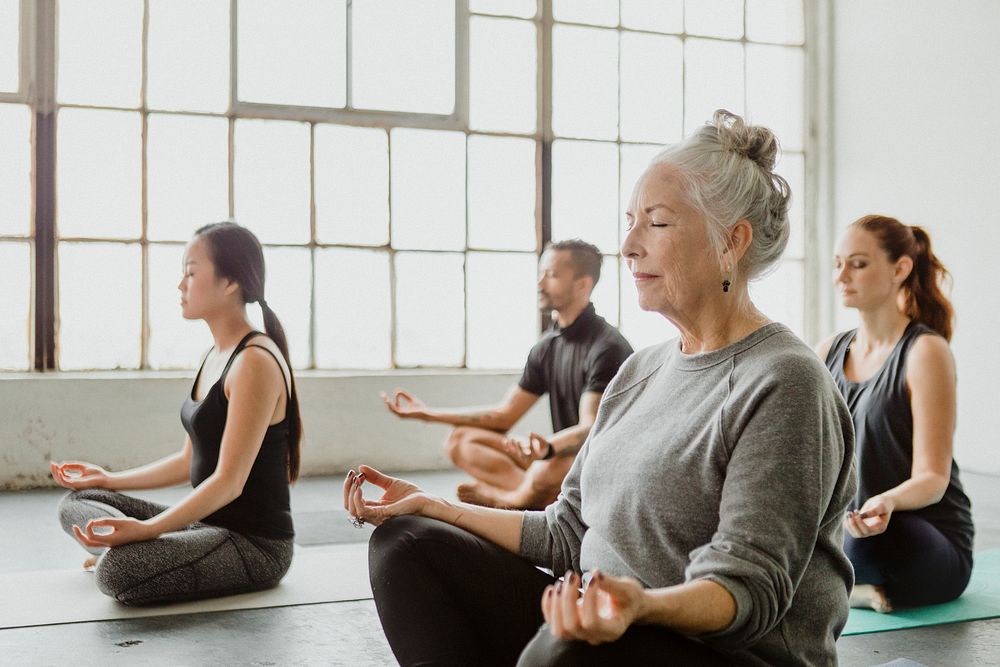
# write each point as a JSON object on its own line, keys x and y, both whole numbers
{"x": 572, "y": 363}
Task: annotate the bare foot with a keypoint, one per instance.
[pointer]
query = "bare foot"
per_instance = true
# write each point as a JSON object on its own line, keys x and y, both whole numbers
{"x": 90, "y": 564}
{"x": 475, "y": 494}
{"x": 866, "y": 596}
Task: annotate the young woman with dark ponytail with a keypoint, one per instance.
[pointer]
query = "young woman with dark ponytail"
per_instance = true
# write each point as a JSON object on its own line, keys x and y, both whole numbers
{"x": 910, "y": 532}
{"x": 233, "y": 532}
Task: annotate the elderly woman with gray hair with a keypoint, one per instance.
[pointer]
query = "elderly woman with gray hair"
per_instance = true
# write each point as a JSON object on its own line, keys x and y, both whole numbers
{"x": 702, "y": 520}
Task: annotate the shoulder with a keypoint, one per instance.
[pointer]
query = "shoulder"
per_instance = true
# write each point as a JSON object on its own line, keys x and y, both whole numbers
{"x": 639, "y": 366}
{"x": 781, "y": 361}
{"x": 260, "y": 364}
{"x": 929, "y": 359}
{"x": 823, "y": 349}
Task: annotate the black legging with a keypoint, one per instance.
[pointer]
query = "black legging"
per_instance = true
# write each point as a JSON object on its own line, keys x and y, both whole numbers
{"x": 448, "y": 597}
{"x": 913, "y": 560}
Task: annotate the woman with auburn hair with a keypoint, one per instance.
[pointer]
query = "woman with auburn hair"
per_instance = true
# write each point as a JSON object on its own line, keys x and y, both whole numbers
{"x": 897, "y": 375}
{"x": 233, "y": 532}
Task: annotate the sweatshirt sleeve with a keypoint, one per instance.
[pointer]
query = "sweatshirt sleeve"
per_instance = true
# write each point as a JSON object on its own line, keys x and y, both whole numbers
{"x": 787, "y": 447}
{"x": 552, "y": 537}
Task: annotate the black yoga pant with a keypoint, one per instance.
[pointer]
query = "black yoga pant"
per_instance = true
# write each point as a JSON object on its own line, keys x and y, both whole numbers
{"x": 448, "y": 597}
{"x": 199, "y": 561}
{"x": 913, "y": 560}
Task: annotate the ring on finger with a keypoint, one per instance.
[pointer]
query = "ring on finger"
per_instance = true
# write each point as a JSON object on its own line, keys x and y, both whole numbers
{"x": 357, "y": 522}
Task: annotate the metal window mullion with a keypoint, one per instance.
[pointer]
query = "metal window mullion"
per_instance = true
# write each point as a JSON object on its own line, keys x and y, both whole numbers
{"x": 42, "y": 93}
{"x": 144, "y": 328}
{"x": 462, "y": 66}
{"x": 312, "y": 245}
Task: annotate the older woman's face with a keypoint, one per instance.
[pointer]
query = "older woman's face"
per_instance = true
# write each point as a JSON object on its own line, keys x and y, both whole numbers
{"x": 667, "y": 248}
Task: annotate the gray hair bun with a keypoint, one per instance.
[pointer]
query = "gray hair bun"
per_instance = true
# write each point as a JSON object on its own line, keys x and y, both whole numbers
{"x": 754, "y": 142}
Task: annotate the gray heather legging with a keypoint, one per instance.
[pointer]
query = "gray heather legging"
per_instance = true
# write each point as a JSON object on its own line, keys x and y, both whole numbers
{"x": 199, "y": 561}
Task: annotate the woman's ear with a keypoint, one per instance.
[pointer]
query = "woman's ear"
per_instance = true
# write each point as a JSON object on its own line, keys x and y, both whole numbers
{"x": 232, "y": 287}
{"x": 738, "y": 241}
{"x": 904, "y": 266}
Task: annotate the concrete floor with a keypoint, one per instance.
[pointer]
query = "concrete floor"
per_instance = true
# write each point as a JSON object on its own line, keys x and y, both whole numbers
{"x": 348, "y": 633}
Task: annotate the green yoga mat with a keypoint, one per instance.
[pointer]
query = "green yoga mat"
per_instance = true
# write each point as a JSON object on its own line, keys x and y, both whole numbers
{"x": 980, "y": 600}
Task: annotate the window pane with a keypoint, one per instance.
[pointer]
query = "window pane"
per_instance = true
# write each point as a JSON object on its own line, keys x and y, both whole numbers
{"x": 502, "y": 193}
{"x": 187, "y": 36}
{"x": 352, "y": 185}
{"x": 594, "y": 12}
{"x": 100, "y": 48}
{"x": 642, "y": 328}
{"x": 584, "y": 192}
{"x": 403, "y": 55}
{"x": 428, "y": 193}
{"x": 503, "y": 309}
{"x": 776, "y": 92}
{"x": 652, "y": 76}
{"x": 15, "y": 170}
{"x": 289, "y": 275}
{"x": 778, "y": 21}
{"x": 780, "y": 295}
{"x": 353, "y": 309}
{"x": 793, "y": 167}
{"x": 502, "y": 78}
{"x": 713, "y": 80}
{"x": 187, "y": 174}
{"x": 635, "y": 159}
{"x": 605, "y": 294}
{"x": 15, "y": 306}
{"x": 523, "y": 8}
{"x": 271, "y": 180}
{"x": 714, "y": 18}
{"x": 310, "y": 36}
{"x": 584, "y": 82}
{"x": 174, "y": 342}
{"x": 100, "y": 305}
{"x": 658, "y": 15}
{"x": 98, "y": 173}
{"x": 10, "y": 19}
{"x": 430, "y": 309}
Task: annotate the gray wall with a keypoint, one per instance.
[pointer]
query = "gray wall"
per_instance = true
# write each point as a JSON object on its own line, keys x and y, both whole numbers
{"x": 123, "y": 420}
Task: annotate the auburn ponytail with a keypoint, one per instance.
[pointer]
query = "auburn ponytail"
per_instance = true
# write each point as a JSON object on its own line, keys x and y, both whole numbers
{"x": 924, "y": 300}
{"x": 238, "y": 256}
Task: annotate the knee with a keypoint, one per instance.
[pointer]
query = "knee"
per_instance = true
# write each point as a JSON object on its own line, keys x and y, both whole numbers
{"x": 455, "y": 442}
{"x": 68, "y": 511}
{"x": 392, "y": 545}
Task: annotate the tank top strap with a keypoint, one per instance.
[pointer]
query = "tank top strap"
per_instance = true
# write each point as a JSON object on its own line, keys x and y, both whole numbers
{"x": 239, "y": 348}
{"x": 896, "y": 363}
{"x": 838, "y": 351}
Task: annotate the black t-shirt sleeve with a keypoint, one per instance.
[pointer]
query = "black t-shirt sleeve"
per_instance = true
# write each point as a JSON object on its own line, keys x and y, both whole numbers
{"x": 533, "y": 377}
{"x": 605, "y": 364}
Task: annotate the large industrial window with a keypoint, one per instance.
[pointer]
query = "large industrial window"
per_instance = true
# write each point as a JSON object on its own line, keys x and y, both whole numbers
{"x": 403, "y": 161}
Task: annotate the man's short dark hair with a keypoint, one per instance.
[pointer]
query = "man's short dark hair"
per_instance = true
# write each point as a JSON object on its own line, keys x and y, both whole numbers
{"x": 585, "y": 257}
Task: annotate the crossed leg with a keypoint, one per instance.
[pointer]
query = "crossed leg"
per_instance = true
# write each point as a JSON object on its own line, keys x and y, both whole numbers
{"x": 480, "y": 452}
{"x": 539, "y": 487}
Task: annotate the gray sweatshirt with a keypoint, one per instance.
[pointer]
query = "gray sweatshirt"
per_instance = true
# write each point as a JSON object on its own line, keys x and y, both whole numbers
{"x": 735, "y": 466}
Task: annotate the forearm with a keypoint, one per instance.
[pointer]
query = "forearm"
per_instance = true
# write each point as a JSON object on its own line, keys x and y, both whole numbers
{"x": 694, "y": 608}
{"x": 919, "y": 491}
{"x": 568, "y": 441}
{"x": 212, "y": 494}
{"x": 168, "y": 471}
{"x": 502, "y": 527}
{"x": 488, "y": 418}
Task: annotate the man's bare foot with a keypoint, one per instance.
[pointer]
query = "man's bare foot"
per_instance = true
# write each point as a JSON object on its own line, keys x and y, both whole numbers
{"x": 866, "y": 596}
{"x": 90, "y": 563}
{"x": 475, "y": 493}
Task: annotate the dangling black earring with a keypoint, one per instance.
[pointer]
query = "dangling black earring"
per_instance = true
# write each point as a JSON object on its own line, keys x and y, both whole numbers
{"x": 725, "y": 285}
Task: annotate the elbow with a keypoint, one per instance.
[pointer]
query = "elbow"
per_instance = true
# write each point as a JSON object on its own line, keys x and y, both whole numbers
{"x": 937, "y": 487}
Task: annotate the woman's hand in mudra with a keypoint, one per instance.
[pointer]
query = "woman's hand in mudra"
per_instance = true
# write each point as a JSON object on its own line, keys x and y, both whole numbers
{"x": 399, "y": 497}
{"x": 114, "y": 532}
{"x": 600, "y": 614}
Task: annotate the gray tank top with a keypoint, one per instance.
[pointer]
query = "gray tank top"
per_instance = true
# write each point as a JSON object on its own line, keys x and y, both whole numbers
{"x": 883, "y": 427}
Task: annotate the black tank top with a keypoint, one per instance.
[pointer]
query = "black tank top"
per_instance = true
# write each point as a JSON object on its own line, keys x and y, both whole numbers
{"x": 263, "y": 508}
{"x": 883, "y": 426}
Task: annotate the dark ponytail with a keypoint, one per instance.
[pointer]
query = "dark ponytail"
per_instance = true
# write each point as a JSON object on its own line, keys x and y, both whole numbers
{"x": 238, "y": 256}
{"x": 924, "y": 302}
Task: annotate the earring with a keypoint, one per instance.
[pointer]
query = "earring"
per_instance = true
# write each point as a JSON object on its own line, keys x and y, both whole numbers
{"x": 725, "y": 285}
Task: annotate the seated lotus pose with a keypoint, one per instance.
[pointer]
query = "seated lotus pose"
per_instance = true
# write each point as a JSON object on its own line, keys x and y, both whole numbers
{"x": 701, "y": 523}
{"x": 910, "y": 533}
{"x": 233, "y": 532}
{"x": 573, "y": 363}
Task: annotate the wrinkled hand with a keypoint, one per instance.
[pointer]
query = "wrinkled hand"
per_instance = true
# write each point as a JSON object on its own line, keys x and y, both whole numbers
{"x": 113, "y": 532}
{"x": 399, "y": 497}
{"x": 599, "y": 615}
{"x": 404, "y": 404}
{"x": 526, "y": 452}
{"x": 79, "y": 475}
{"x": 871, "y": 519}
